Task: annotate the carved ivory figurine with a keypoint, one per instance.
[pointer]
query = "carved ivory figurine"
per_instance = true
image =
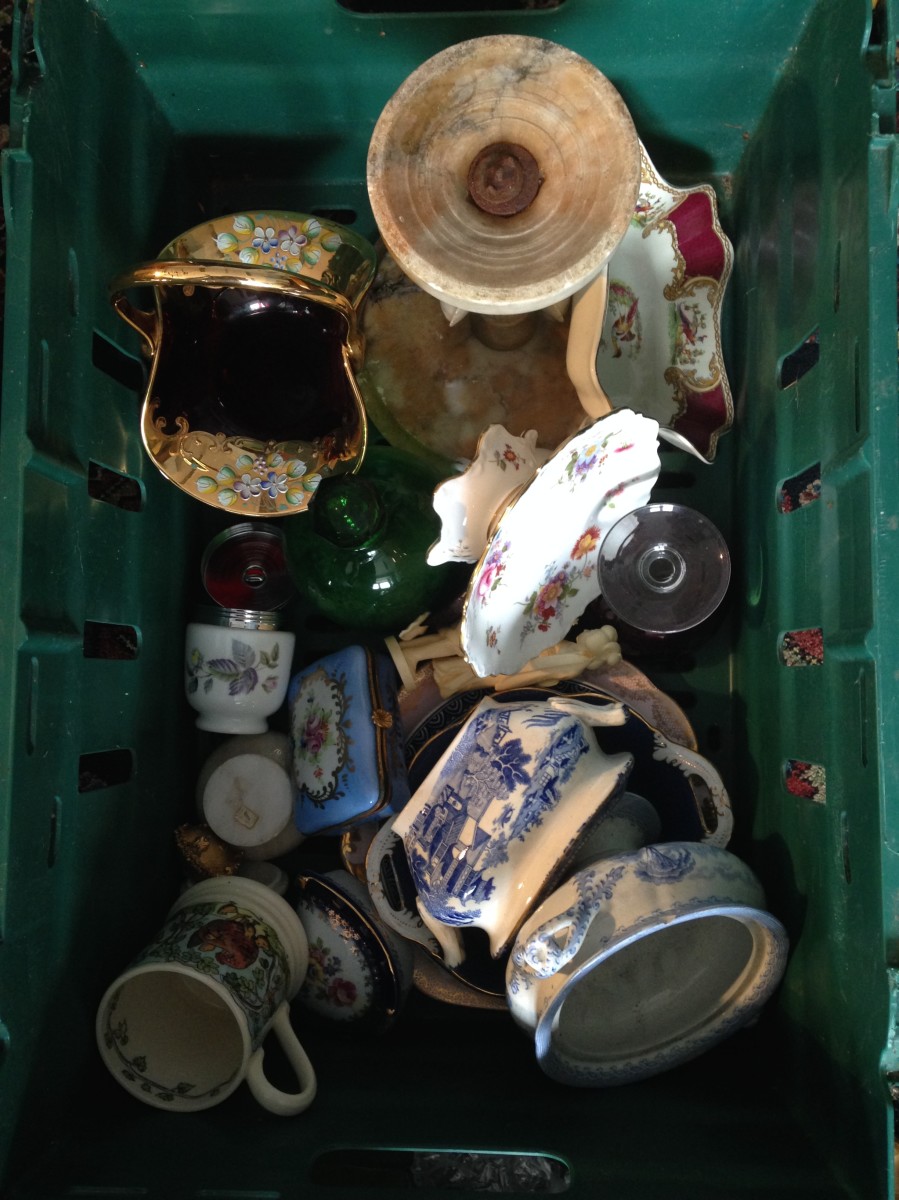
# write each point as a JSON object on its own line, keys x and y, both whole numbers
{"x": 591, "y": 650}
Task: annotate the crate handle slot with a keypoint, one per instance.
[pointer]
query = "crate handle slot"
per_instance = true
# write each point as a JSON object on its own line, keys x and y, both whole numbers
{"x": 465, "y": 1172}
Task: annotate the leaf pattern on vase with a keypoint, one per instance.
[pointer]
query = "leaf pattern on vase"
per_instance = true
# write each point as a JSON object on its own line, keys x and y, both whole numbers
{"x": 240, "y": 672}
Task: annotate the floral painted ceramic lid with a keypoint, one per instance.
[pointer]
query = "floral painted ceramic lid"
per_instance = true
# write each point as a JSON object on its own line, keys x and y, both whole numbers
{"x": 354, "y": 977}
{"x": 538, "y": 572}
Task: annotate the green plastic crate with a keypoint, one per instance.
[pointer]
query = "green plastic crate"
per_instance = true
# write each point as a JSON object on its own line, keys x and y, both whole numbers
{"x": 134, "y": 119}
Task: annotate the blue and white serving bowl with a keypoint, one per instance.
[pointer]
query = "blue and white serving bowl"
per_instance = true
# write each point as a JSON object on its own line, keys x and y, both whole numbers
{"x": 642, "y": 961}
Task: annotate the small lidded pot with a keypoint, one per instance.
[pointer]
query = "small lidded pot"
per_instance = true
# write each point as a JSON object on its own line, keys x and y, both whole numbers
{"x": 236, "y": 668}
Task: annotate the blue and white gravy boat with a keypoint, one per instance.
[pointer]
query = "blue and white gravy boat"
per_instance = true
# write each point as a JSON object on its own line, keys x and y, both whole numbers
{"x": 501, "y": 813}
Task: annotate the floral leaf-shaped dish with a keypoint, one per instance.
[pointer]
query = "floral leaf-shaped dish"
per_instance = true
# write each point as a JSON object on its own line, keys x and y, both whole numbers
{"x": 660, "y": 351}
{"x": 538, "y": 572}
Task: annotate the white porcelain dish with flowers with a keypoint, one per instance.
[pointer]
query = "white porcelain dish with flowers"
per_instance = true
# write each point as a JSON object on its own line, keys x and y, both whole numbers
{"x": 468, "y": 503}
{"x": 538, "y": 571}
{"x": 660, "y": 351}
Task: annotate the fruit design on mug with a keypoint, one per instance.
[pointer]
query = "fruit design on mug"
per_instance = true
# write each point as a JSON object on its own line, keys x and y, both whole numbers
{"x": 235, "y": 940}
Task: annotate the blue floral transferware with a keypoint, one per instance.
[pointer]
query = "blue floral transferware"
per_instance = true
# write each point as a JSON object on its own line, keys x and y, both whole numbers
{"x": 643, "y": 960}
{"x": 503, "y": 810}
{"x": 683, "y": 786}
{"x": 346, "y": 741}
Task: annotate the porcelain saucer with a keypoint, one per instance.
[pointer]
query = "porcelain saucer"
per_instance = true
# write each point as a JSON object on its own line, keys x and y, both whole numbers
{"x": 359, "y": 972}
{"x": 431, "y": 978}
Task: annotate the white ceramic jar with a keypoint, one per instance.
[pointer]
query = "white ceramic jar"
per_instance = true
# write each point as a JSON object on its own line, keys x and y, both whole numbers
{"x": 236, "y": 668}
{"x": 247, "y": 797}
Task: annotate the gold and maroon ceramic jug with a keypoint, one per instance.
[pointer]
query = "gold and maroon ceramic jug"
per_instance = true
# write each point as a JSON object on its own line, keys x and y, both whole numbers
{"x": 254, "y": 342}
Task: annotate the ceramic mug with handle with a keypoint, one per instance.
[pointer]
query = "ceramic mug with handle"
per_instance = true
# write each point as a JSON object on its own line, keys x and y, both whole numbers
{"x": 185, "y": 1024}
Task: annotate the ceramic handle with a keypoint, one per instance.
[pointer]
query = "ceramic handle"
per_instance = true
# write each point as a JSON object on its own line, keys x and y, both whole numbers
{"x": 283, "y": 1104}
{"x": 546, "y": 952}
{"x": 144, "y": 322}
{"x": 555, "y": 943}
{"x": 612, "y": 713}
{"x": 695, "y": 770}
{"x": 588, "y": 311}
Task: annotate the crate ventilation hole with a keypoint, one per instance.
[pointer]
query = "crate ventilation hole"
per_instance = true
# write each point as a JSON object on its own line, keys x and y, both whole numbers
{"x": 802, "y": 648}
{"x": 117, "y": 363}
{"x": 446, "y": 6}
{"x": 806, "y": 780}
{"x": 104, "y": 769}
{"x": 441, "y": 1170}
{"x": 799, "y": 361}
{"x": 800, "y": 490}
{"x": 105, "y": 639}
{"x": 114, "y": 487}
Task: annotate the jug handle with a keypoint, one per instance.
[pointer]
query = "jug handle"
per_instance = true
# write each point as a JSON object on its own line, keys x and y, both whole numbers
{"x": 552, "y": 945}
{"x": 283, "y": 1104}
{"x": 145, "y": 323}
{"x": 545, "y": 952}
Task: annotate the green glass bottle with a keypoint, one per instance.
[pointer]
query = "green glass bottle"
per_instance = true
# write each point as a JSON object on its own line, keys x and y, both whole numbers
{"x": 359, "y": 556}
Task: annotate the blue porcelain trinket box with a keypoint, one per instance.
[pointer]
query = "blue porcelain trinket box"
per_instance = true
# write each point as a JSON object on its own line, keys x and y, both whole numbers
{"x": 345, "y": 741}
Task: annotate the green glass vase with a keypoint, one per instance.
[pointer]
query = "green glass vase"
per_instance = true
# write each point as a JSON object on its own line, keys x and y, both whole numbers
{"x": 359, "y": 557}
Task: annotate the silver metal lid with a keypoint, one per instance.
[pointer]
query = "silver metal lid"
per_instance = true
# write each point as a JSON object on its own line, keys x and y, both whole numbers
{"x": 239, "y": 618}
